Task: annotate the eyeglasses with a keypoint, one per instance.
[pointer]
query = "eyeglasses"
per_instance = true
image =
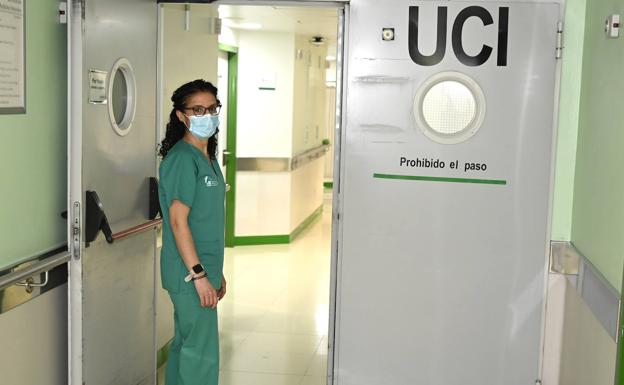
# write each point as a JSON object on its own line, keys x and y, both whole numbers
{"x": 201, "y": 110}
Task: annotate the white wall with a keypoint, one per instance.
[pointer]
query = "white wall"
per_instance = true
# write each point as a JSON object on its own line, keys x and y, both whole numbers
{"x": 187, "y": 55}
{"x": 265, "y": 117}
{"x": 306, "y": 191}
{"x": 279, "y": 124}
{"x": 309, "y": 118}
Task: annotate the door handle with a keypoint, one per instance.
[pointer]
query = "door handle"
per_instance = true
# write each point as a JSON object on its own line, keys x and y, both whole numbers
{"x": 97, "y": 221}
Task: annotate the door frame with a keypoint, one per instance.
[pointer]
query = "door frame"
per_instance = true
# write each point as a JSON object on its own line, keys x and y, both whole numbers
{"x": 339, "y": 142}
{"x": 229, "y": 158}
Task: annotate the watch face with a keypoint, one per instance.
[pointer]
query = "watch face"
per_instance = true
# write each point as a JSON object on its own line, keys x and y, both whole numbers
{"x": 198, "y": 269}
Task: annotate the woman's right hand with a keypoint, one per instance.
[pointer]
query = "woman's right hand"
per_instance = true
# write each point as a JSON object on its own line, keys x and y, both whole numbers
{"x": 207, "y": 293}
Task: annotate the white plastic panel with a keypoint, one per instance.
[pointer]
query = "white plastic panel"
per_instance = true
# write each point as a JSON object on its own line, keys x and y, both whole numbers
{"x": 441, "y": 269}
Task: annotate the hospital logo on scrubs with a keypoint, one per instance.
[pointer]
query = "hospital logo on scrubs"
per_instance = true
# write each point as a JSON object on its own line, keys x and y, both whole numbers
{"x": 209, "y": 182}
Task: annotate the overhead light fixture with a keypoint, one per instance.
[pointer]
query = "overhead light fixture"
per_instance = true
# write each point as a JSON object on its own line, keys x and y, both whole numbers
{"x": 317, "y": 40}
{"x": 330, "y": 58}
{"x": 242, "y": 25}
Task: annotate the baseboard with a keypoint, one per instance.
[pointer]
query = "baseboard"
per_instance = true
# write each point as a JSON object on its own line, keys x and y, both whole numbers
{"x": 256, "y": 240}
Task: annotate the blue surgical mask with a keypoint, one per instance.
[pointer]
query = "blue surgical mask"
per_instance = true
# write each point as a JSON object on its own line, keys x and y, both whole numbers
{"x": 203, "y": 127}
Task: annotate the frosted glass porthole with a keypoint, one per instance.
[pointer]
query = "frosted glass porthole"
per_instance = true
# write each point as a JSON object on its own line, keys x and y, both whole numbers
{"x": 449, "y": 107}
{"x": 122, "y": 97}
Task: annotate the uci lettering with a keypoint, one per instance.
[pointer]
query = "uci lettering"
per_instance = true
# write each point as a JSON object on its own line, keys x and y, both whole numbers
{"x": 458, "y": 28}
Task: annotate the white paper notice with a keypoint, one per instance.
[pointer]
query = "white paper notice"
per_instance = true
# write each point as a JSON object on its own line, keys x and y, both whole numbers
{"x": 97, "y": 87}
{"x": 12, "y": 77}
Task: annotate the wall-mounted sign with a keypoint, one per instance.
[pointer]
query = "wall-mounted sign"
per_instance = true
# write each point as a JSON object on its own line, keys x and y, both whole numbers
{"x": 12, "y": 75}
{"x": 97, "y": 87}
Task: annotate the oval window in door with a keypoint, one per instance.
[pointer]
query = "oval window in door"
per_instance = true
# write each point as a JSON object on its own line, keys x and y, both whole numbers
{"x": 122, "y": 97}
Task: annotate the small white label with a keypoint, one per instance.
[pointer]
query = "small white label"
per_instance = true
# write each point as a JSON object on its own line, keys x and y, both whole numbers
{"x": 97, "y": 87}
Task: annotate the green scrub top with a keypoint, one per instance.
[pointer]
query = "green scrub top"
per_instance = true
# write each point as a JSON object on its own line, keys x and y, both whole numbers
{"x": 188, "y": 176}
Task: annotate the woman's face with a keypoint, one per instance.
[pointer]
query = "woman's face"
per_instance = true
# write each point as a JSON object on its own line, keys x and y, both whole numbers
{"x": 198, "y": 99}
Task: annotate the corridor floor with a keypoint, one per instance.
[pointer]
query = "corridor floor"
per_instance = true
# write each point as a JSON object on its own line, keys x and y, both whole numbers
{"x": 274, "y": 319}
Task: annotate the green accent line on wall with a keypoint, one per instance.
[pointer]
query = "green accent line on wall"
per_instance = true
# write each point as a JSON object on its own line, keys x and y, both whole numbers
{"x": 440, "y": 179}
{"x": 266, "y": 88}
{"x": 228, "y": 48}
{"x": 279, "y": 239}
{"x": 262, "y": 240}
{"x": 328, "y": 184}
{"x": 163, "y": 355}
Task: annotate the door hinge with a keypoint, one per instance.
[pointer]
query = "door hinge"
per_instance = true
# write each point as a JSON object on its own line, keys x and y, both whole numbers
{"x": 559, "y": 50}
{"x": 76, "y": 231}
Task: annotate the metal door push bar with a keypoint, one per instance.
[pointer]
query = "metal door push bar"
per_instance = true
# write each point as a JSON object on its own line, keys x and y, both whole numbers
{"x": 97, "y": 221}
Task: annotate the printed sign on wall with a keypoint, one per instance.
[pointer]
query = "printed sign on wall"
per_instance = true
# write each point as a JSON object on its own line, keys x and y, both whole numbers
{"x": 12, "y": 75}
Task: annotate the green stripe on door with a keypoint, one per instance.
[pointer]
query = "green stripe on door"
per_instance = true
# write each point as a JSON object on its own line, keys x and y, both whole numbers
{"x": 440, "y": 179}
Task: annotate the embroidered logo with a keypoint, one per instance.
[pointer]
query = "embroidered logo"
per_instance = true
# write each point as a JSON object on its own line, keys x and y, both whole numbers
{"x": 210, "y": 183}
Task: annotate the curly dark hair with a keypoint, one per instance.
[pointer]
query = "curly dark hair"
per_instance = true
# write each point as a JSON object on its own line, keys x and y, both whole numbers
{"x": 176, "y": 128}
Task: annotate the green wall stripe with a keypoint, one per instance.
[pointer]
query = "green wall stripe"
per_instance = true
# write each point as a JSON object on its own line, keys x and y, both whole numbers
{"x": 262, "y": 240}
{"x": 228, "y": 48}
{"x": 328, "y": 184}
{"x": 440, "y": 179}
{"x": 279, "y": 239}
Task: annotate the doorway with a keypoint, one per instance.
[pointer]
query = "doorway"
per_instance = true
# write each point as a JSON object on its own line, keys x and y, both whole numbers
{"x": 277, "y": 70}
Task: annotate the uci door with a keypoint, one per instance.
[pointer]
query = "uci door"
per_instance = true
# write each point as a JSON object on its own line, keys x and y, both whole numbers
{"x": 445, "y": 193}
{"x": 112, "y": 134}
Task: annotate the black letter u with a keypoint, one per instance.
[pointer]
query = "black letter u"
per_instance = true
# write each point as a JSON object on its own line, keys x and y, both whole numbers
{"x": 440, "y": 51}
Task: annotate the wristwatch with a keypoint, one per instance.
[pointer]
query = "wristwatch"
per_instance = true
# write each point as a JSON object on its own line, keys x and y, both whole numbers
{"x": 194, "y": 273}
{"x": 198, "y": 269}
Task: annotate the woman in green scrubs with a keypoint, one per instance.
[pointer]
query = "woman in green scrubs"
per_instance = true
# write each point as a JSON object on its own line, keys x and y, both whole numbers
{"x": 192, "y": 192}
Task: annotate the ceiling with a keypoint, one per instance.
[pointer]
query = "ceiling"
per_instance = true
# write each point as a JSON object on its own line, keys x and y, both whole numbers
{"x": 301, "y": 20}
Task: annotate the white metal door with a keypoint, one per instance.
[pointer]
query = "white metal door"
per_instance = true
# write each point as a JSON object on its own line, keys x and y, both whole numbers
{"x": 445, "y": 193}
{"x": 112, "y": 133}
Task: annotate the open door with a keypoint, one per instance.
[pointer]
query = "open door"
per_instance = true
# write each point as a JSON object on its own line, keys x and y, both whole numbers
{"x": 444, "y": 228}
{"x": 112, "y": 155}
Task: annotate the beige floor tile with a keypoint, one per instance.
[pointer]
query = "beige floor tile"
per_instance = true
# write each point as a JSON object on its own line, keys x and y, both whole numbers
{"x": 274, "y": 319}
{"x": 279, "y": 342}
{"x": 268, "y": 361}
{"x": 243, "y": 378}
{"x": 314, "y": 380}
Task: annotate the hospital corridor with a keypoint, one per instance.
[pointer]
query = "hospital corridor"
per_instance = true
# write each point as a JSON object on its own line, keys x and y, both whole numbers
{"x": 274, "y": 324}
{"x": 311, "y": 192}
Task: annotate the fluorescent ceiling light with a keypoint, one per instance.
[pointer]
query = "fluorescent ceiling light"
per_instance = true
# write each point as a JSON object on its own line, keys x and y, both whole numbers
{"x": 241, "y": 25}
{"x": 330, "y": 58}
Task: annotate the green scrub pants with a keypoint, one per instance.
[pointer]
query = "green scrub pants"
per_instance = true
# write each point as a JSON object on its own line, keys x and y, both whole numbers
{"x": 194, "y": 354}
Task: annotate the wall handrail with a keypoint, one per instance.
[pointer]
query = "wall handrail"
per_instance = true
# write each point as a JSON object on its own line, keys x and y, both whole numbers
{"x": 45, "y": 265}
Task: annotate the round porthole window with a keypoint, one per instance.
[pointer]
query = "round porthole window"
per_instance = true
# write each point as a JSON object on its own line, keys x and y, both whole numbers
{"x": 122, "y": 97}
{"x": 449, "y": 107}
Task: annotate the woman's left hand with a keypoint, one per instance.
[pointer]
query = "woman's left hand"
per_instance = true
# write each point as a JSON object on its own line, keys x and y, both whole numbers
{"x": 222, "y": 291}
